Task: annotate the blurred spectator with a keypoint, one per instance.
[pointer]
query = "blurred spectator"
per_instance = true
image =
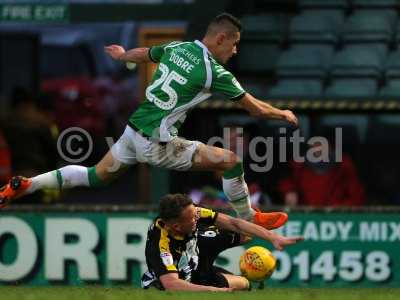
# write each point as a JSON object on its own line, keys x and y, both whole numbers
{"x": 118, "y": 91}
{"x": 31, "y": 134}
{"x": 5, "y": 160}
{"x": 78, "y": 104}
{"x": 211, "y": 195}
{"x": 322, "y": 183}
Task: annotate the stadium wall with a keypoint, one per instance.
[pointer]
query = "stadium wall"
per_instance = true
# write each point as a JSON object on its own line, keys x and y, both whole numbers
{"x": 105, "y": 246}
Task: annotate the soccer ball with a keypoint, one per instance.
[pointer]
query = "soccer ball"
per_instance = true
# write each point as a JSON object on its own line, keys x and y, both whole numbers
{"x": 257, "y": 263}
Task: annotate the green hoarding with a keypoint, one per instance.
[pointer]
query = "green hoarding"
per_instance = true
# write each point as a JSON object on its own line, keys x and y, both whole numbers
{"x": 340, "y": 249}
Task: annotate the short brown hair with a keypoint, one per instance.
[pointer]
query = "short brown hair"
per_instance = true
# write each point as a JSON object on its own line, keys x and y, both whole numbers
{"x": 172, "y": 205}
{"x": 224, "y": 22}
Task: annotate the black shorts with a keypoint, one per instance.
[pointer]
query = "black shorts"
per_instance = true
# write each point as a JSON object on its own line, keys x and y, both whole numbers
{"x": 213, "y": 277}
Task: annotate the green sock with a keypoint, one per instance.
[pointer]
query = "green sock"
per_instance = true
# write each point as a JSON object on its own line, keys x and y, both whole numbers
{"x": 235, "y": 188}
{"x": 94, "y": 180}
{"x": 236, "y": 171}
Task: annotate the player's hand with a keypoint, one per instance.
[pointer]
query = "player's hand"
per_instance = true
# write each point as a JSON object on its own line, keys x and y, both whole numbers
{"x": 289, "y": 116}
{"x": 280, "y": 242}
{"x": 115, "y": 51}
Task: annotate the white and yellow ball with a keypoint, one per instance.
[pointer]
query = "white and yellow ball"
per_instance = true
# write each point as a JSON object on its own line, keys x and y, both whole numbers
{"x": 257, "y": 263}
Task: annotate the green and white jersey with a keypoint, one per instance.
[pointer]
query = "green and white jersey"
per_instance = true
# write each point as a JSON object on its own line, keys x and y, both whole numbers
{"x": 187, "y": 75}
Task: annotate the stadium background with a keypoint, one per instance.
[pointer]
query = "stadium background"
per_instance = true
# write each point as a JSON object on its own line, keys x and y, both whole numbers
{"x": 334, "y": 62}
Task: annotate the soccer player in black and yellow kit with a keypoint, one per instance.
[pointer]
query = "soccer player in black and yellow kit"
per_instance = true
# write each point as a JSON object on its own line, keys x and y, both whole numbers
{"x": 173, "y": 252}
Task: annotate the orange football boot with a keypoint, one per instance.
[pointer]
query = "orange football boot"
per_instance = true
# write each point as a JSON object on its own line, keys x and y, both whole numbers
{"x": 14, "y": 189}
{"x": 271, "y": 220}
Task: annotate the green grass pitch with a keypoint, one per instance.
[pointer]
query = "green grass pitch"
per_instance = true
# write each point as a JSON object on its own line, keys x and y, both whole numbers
{"x": 124, "y": 293}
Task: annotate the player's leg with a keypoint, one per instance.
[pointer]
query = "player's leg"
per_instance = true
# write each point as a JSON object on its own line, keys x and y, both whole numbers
{"x": 237, "y": 282}
{"x": 64, "y": 178}
{"x": 235, "y": 188}
{"x": 212, "y": 158}
{"x": 113, "y": 164}
{"x": 218, "y": 277}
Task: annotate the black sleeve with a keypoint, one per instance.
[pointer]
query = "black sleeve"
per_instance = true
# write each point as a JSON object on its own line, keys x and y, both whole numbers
{"x": 228, "y": 239}
{"x": 158, "y": 256}
{"x": 213, "y": 241}
{"x": 206, "y": 217}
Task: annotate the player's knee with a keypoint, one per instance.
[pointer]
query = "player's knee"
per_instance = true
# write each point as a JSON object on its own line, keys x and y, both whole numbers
{"x": 232, "y": 160}
{"x": 97, "y": 177}
{"x": 238, "y": 283}
{"x": 108, "y": 168}
{"x": 235, "y": 170}
{"x": 243, "y": 284}
{"x": 101, "y": 173}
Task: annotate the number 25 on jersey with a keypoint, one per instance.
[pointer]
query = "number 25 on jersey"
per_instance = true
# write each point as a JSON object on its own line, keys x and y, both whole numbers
{"x": 165, "y": 82}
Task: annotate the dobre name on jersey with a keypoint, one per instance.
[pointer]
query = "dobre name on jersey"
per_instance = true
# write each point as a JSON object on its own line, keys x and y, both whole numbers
{"x": 181, "y": 62}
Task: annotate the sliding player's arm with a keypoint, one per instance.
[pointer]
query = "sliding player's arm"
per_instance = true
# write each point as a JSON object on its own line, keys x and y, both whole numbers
{"x": 243, "y": 227}
{"x": 172, "y": 282}
{"x": 260, "y": 108}
{"x": 136, "y": 55}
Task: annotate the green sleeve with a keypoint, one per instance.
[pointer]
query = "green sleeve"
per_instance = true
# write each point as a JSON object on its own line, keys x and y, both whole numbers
{"x": 225, "y": 83}
{"x": 156, "y": 52}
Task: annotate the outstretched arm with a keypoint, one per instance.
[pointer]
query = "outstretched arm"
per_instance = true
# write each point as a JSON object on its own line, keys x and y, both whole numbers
{"x": 241, "y": 226}
{"x": 136, "y": 55}
{"x": 260, "y": 108}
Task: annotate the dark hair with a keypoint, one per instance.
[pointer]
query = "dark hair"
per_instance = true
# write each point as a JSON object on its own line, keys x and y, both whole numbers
{"x": 172, "y": 205}
{"x": 226, "y": 22}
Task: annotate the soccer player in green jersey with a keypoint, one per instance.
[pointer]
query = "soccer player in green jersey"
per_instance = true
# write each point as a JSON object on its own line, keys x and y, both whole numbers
{"x": 187, "y": 74}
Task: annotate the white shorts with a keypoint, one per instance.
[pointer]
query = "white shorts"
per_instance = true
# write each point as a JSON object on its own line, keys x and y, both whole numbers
{"x": 132, "y": 148}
